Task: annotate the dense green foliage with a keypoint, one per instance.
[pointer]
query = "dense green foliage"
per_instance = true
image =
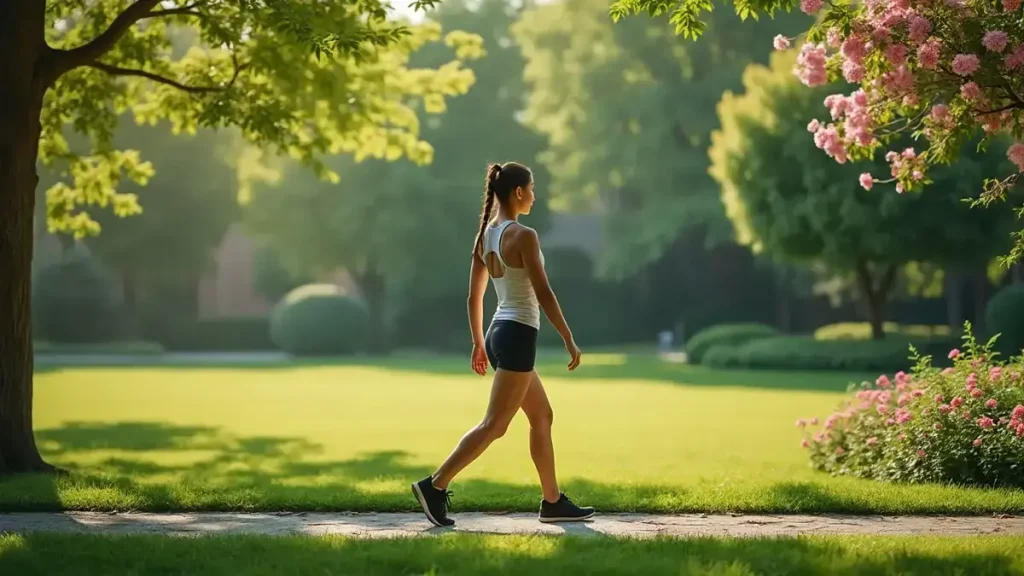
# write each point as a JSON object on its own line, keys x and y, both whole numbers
{"x": 963, "y": 425}
{"x": 75, "y": 301}
{"x": 808, "y": 353}
{"x": 728, "y": 335}
{"x": 789, "y": 200}
{"x": 234, "y": 65}
{"x": 244, "y": 334}
{"x": 1004, "y": 316}
{"x": 628, "y": 109}
{"x": 319, "y": 320}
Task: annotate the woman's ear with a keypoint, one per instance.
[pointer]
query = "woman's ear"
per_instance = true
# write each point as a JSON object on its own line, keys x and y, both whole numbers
{"x": 519, "y": 192}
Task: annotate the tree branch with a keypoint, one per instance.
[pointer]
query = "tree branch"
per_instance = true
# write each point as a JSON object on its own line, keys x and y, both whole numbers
{"x": 100, "y": 45}
{"x": 118, "y": 71}
{"x": 189, "y": 10}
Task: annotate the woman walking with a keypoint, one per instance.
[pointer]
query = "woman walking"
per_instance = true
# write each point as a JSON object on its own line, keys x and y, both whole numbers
{"x": 509, "y": 253}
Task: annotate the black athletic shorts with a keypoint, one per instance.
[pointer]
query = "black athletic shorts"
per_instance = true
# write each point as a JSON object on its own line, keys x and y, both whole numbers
{"x": 511, "y": 346}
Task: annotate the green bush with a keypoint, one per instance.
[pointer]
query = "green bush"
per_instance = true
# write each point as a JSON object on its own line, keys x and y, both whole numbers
{"x": 1004, "y": 315}
{"x": 724, "y": 335}
{"x": 862, "y": 330}
{"x": 240, "y": 334}
{"x": 75, "y": 302}
{"x": 319, "y": 320}
{"x": 808, "y": 353}
{"x": 963, "y": 425}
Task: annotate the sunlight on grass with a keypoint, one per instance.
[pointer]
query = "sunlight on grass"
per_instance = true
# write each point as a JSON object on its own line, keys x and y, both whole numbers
{"x": 665, "y": 438}
{"x": 456, "y": 554}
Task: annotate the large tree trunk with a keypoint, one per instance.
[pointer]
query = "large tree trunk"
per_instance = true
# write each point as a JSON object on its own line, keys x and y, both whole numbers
{"x": 23, "y": 81}
{"x": 875, "y": 296}
{"x": 374, "y": 288}
{"x": 954, "y": 301}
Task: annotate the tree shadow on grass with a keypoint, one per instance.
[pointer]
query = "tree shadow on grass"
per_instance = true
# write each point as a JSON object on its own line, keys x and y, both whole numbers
{"x": 607, "y": 366}
{"x": 474, "y": 554}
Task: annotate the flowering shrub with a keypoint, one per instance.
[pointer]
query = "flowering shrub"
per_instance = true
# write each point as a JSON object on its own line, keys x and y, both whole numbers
{"x": 963, "y": 424}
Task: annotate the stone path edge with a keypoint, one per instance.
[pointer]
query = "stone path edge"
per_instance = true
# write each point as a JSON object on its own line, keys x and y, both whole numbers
{"x": 385, "y": 525}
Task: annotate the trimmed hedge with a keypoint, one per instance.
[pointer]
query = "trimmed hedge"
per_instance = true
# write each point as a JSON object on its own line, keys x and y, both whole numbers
{"x": 1004, "y": 315}
{"x": 807, "y": 353}
{"x": 862, "y": 330}
{"x": 240, "y": 334}
{"x": 727, "y": 335}
{"x": 319, "y": 320}
{"x": 75, "y": 302}
{"x": 140, "y": 347}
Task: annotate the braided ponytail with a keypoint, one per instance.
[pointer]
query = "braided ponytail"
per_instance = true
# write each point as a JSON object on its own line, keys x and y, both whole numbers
{"x": 493, "y": 172}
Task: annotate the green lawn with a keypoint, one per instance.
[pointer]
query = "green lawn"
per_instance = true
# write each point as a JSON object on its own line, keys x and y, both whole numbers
{"x": 81, "y": 555}
{"x": 632, "y": 434}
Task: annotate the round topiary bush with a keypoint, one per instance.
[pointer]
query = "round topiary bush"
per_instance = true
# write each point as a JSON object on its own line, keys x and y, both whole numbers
{"x": 725, "y": 335}
{"x": 75, "y": 302}
{"x": 1004, "y": 315}
{"x": 319, "y": 320}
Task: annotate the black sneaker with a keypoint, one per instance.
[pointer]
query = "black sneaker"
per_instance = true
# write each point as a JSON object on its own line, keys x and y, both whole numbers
{"x": 563, "y": 511}
{"x": 435, "y": 502}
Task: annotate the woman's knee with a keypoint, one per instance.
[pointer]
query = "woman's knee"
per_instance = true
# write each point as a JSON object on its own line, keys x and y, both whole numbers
{"x": 494, "y": 428}
{"x": 542, "y": 419}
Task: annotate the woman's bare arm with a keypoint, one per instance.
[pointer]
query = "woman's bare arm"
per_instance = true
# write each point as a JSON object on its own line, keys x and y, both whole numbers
{"x": 529, "y": 247}
{"x": 475, "y": 304}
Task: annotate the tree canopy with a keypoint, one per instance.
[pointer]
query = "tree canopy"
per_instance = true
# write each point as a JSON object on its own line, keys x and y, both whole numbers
{"x": 628, "y": 109}
{"x": 787, "y": 199}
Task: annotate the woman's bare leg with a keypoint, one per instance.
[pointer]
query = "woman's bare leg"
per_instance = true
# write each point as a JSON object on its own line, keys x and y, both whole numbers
{"x": 538, "y": 411}
{"x": 507, "y": 394}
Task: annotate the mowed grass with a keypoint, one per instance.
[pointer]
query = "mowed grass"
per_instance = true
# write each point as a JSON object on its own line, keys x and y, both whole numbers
{"x": 632, "y": 433}
{"x": 454, "y": 554}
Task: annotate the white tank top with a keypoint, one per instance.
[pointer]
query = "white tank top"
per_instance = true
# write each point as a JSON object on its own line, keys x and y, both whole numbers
{"x": 517, "y": 300}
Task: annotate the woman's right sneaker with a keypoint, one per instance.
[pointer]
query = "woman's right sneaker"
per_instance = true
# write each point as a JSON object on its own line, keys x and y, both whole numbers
{"x": 435, "y": 502}
{"x": 563, "y": 511}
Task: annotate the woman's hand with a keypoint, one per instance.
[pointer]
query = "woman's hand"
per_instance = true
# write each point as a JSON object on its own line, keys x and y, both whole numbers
{"x": 478, "y": 360}
{"x": 574, "y": 353}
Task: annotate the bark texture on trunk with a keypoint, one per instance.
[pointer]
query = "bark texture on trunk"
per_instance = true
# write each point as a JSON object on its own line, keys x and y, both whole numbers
{"x": 876, "y": 295}
{"x": 24, "y": 77}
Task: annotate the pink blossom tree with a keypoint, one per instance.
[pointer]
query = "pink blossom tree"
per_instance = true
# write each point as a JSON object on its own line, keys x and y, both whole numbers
{"x": 942, "y": 71}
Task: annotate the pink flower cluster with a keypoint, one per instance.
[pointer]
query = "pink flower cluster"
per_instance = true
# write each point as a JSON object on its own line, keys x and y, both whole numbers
{"x": 1016, "y": 155}
{"x": 810, "y": 65}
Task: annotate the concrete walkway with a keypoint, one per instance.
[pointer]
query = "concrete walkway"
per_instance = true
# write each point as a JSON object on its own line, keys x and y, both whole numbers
{"x": 374, "y": 525}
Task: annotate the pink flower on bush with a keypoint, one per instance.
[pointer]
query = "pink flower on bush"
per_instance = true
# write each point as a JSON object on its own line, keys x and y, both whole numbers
{"x": 810, "y": 6}
{"x": 853, "y": 72}
{"x": 903, "y": 399}
{"x": 947, "y": 371}
{"x": 834, "y": 38}
{"x": 917, "y": 393}
{"x": 854, "y": 48}
{"x": 902, "y": 436}
{"x": 1015, "y": 59}
{"x": 991, "y": 403}
{"x": 939, "y": 398}
{"x": 995, "y": 372}
{"x": 828, "y": 139}
{"x": 919, "y": 28}
{"x": 804, "y": 443}
{"x": 801, "y": 423}
{"x": 813, "y": 126}
{"x": 976, "y": 393}
{"x": 872, "y": 441}
{"x": 985, "y": 422}
{"x": 977, "y": 441}
{"x": 1016, "y": 154}
{"x": 903, "y": 416}
{"x": 780, "y": 42}
{"x": 953, "y": 353}
{"x": 1015, "y": 375}
{"x": 896, "y": 54}
{"x": 921, "y": 453}
{"x": 970, "y": 91}
{"x": 957, "y": 402}
{"x": 965, "y": 64}
{"x": 814, "y": 421}
{"x": 995, "y": 40}
{"x": 1018, "y": 412}
{"x": 1011, "y": 5}
{"x": 1020, "y": 430}
{"x": 928, "y": 55}
{"x": 945, "y": 408}
{"x": 882, "y": 408}
{"x": 890, "y": 421}
{"x": 938, "y": 426}
{"x": 967, "y": 415}
{"x": 840, "y": 451}
{"x": 866, "y": 181}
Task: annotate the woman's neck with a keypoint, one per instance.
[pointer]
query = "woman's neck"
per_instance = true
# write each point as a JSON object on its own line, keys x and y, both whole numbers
{"x": 504, "y": 214}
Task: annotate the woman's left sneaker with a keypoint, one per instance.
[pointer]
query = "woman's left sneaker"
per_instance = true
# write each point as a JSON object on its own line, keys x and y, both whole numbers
{"x": 563, "y": 511}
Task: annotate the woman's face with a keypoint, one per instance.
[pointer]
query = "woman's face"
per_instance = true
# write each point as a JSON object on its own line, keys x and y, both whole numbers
{"x": 525, "y": 198}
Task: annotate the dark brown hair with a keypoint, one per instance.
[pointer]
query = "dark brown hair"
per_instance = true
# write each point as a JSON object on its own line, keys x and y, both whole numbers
{"x": 502, "y": 180}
